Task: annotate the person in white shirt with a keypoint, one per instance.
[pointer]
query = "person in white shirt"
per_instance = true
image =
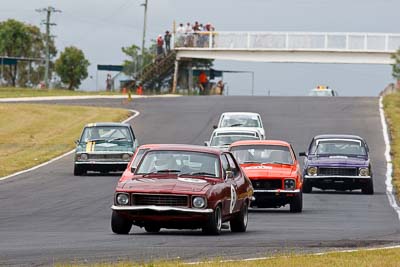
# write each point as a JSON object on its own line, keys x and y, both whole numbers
{"x": 180, "y": 32}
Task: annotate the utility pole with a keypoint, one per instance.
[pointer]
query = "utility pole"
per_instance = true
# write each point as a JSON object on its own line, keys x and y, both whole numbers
{"x": 144, "y": 35}
{"x": 47, "y": 22}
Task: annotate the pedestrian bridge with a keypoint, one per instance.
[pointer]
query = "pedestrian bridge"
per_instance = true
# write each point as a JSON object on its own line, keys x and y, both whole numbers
{"x": 298, "y": 47}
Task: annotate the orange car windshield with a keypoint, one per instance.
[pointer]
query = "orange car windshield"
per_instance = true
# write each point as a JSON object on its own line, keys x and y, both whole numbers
{"x": 263, "y": 154}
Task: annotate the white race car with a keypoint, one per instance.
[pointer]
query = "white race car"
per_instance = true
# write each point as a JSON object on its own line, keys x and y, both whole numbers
{"x": 241, "y": 119}
{"x": 222, "y": 137}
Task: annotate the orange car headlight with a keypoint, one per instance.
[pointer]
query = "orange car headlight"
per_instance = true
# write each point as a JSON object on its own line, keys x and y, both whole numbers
{"x": 290, "y": 184}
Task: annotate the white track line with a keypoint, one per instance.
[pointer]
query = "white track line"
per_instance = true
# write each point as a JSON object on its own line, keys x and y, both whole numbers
{"x": 311, "y": 254}
{"x": 136, "y": 113}
{"x": 389, "y": 166}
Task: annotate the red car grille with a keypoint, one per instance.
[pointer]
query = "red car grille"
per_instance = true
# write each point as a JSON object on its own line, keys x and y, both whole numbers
{"x": 269, "y": 184}
{"x": 160, "y": 200}
{"x": 338, "y": 171}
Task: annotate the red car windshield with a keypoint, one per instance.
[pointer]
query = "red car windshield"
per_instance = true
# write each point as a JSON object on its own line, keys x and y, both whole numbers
{"x": 180, "y": 162}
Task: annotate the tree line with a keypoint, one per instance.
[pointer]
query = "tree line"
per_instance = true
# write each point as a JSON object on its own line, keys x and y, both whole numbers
{"x": 26, "y": 44}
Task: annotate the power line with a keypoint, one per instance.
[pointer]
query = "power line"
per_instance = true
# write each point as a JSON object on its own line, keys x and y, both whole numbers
{"x": 47, "y": 22}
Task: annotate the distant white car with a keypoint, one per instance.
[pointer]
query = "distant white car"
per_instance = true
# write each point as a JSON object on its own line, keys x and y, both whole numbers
{"x": 241, "y": 119}
{"x": 322, "y": 91}
{"x": 222, "y": 138}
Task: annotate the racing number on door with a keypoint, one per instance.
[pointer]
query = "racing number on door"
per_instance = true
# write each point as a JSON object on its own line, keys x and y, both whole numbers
{"x": 233, "y": 198}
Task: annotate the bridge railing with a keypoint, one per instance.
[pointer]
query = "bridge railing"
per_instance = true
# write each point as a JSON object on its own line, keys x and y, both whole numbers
{"x": 313, "y": 41}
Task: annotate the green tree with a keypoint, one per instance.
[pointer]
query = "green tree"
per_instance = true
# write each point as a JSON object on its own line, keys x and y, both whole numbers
{"x": 18, "y": 39}
{"x": 396, "y": 65}
{"x": 72, "y": 67}
{"x": 133, "y": 65}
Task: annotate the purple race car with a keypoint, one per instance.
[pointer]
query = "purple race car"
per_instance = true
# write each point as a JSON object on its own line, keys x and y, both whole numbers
{"x": 339, "y": 162}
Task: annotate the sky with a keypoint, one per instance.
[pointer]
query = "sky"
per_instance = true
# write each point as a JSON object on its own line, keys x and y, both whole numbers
{"x": 100, "y": 28}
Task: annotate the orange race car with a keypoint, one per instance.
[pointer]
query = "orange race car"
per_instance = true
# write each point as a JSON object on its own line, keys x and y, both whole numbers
{"x": 274, "y": 171}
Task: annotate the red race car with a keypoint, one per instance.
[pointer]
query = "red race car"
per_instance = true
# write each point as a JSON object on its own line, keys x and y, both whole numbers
{"x": 181, "y": 187}
{"x": 274, "y": 171}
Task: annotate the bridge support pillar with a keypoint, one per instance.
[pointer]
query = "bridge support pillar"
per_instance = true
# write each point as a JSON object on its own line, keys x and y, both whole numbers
{"x": 190, "y": 77}
{"x": 175, "y": 79}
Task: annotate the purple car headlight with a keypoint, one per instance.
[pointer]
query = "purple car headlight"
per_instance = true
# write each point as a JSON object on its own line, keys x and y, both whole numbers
{"x": 312, "y": 171}
{"x": 363, "y": 171}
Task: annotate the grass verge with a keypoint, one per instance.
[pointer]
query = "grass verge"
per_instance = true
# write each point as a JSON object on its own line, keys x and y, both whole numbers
{"x": 31, "y": 134}
{"x": 370, "y": 258}
{"x": 29, "y": 92}
{"x": 391, "y": 104}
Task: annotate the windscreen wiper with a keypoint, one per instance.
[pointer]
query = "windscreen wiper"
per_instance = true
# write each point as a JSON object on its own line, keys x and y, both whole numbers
{"x": 278, "y": 162}
{"x": 198, "y": 174}
{"x": 118, "y": 138}
{"x": 161, "y": 171}
{"x": 96, "y": 140}
{"x": 236, "y": 125}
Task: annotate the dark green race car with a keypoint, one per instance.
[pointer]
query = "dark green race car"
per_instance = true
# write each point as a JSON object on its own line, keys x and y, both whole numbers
{"x": 104, "y": 147}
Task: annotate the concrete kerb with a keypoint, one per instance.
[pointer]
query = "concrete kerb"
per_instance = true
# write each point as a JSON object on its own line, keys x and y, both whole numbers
{"x": 135, "y": 114}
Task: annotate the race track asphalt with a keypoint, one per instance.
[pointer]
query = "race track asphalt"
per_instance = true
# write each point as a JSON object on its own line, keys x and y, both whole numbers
{"x": 49, "y": 216}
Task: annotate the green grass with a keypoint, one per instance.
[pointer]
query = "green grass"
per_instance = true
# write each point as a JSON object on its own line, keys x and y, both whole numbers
{"x": 29, "y": 92}
{"x": 391, "y": 105}
{"x": 364, "y": 258}
{"x": 31, "y": 133}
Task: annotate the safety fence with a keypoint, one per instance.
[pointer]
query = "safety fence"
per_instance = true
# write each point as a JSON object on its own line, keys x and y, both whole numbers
{"x": 313, "y": 41}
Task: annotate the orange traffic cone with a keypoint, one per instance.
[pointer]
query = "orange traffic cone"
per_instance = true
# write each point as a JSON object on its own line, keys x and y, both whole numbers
{"x": 124, "y": 91}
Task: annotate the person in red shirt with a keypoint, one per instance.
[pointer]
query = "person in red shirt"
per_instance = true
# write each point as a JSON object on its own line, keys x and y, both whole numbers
{"x": 203, "y": 82}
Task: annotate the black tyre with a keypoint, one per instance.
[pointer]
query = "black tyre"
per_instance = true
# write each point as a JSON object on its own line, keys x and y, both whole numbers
{"x": 150, "y": 228}
{"x": 79, "y": 170}
{"x": 296, "y": 205}
{"x": 214, "y": 223}
{"x": 239, "y": 223}
{"x": 307, "y": 188}
{"x": 368, "y": 189}
{"x": 119, "y": 224}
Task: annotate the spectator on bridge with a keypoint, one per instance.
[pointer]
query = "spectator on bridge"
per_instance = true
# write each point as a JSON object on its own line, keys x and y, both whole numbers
{"x": 160, "y": 46}
{"x": 189, "y": 35}
{"x": 180, "y": 34}
{"x": 167, "y": 39}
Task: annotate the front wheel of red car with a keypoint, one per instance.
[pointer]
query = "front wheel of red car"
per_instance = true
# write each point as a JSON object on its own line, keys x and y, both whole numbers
{"x": 239, "y": 223}
{"x": 296, "y": 205}
{"x": 119, "y": 224}
{"x": 214, "y": 223}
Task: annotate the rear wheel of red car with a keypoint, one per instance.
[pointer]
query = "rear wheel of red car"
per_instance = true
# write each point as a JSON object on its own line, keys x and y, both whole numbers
{"x": 296, "y": 205}
{"x": 368, "y": 189}
{"x": 119, "y": 224}
{"x": 214, "y": 223}
{"x": 239, "y": 223}
{"x": 307, "y": 188}
{"x": 79, "y": 170}
{"x": 150, "y": 228}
